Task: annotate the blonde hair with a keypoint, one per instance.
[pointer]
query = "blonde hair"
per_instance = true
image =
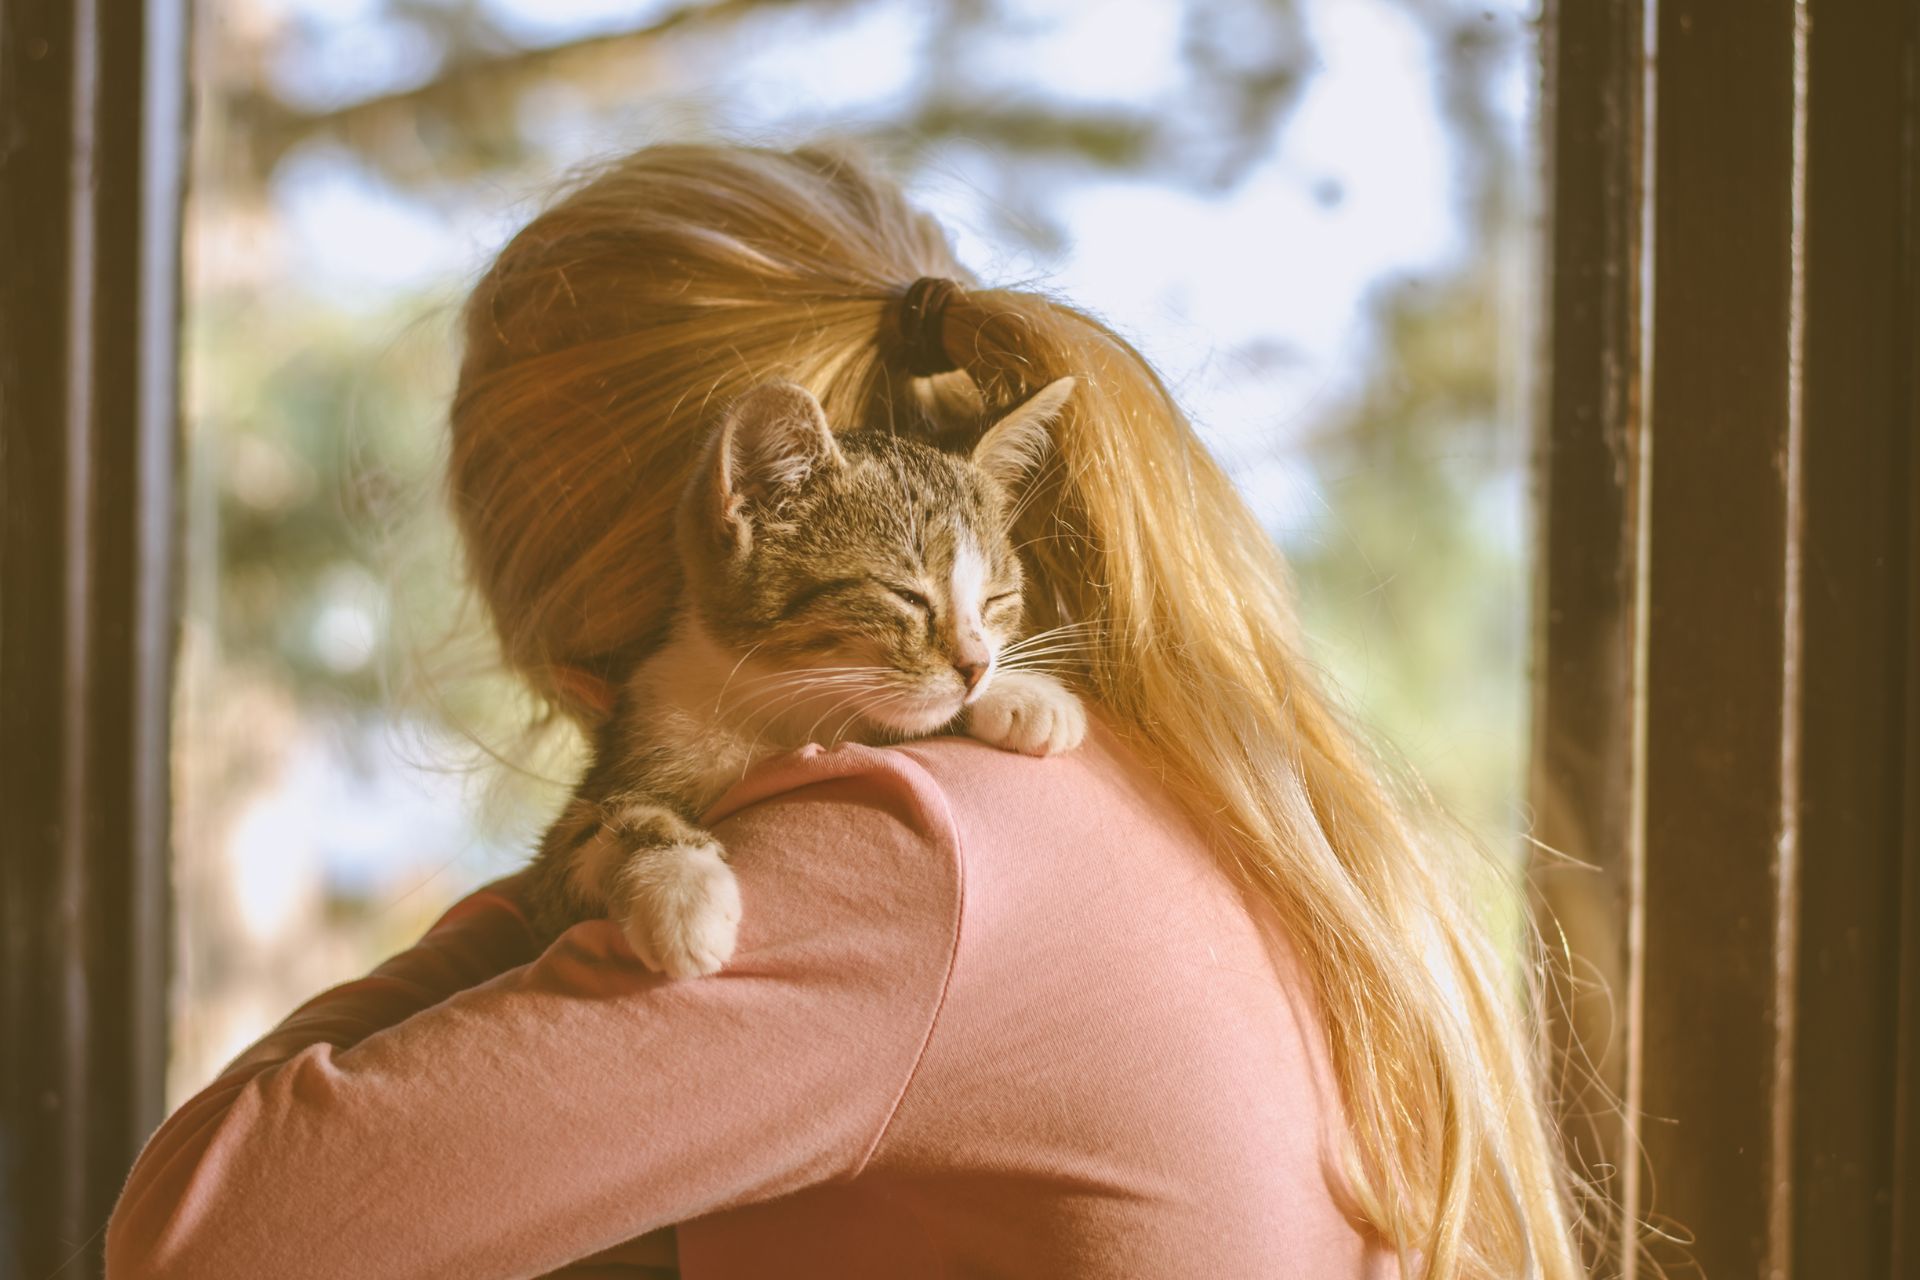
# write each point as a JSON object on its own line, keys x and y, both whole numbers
{"x": 597, "y": 349}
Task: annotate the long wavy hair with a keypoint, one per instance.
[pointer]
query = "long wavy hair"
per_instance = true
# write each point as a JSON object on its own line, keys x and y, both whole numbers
{"x": 600, "y": 344}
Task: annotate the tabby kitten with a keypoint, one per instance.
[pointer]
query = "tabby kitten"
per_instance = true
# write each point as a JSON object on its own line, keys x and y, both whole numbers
{"x": 861, "y": 587}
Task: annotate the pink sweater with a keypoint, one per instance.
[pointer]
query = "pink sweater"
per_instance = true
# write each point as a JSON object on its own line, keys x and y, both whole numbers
{"x": 990, "y": 1016}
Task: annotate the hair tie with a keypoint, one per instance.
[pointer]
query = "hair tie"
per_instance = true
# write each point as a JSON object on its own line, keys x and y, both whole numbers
{"x": 923, "y": 312}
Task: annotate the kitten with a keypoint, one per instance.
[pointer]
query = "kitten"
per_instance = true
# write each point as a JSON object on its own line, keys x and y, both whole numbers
{"x": 860, "y": 587}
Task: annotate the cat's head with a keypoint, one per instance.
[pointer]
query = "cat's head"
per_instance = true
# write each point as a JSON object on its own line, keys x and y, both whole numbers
{"x": 868, "y": 572}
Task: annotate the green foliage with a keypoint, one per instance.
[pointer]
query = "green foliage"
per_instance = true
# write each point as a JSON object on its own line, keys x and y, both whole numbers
{"x": 1414, "y": 584}
{"x": 316, "y": 442}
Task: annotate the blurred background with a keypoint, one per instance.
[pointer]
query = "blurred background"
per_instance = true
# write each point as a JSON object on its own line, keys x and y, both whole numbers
{"x": 1316, "y": 216}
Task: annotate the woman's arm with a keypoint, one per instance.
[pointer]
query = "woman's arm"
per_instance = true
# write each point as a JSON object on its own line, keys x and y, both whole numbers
{"x": 575, "y": 1101}
{"x": 481, "y": 936}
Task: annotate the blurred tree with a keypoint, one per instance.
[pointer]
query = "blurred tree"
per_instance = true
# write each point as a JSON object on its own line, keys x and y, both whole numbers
{"x": 1413, "y": 583}
{"x": 455, "y": 105}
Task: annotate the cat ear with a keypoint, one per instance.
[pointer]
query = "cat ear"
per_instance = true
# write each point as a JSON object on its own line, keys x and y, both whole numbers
{"x": 1014, "y": 445}
{"x": 776, "y": 436}
{"x": 771, "y": 438}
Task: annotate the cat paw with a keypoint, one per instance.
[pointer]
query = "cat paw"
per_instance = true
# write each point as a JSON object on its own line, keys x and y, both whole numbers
{"x": 1032, "y": 714}
{"x": 683, "y": 909}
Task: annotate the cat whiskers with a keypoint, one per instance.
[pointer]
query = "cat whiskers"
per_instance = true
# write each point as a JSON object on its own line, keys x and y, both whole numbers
{"x": 803, "y": 678}
{"x": 720, "y": 698}
{"x": 1057, "y": 651}
{"x": 1078, "y": 637}
{"x": 774, "y": 697}
{"x": 1050, "y": 650}
{"x": 788, "y": 740}
{"x": 1047, "y": 657}
{"x": 1065, "y": 629}
{"x": 781, "y": 692}
{"x": 860, "y": 709}
{"x": 864, "y": 700}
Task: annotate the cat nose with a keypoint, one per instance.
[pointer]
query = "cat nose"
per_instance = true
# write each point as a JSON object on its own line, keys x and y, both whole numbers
{"x": 971, "y": 673}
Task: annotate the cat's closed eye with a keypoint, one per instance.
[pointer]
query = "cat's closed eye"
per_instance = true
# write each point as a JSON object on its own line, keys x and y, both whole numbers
{"x": 801, "y": 600}
{"x": 911, "y": 597}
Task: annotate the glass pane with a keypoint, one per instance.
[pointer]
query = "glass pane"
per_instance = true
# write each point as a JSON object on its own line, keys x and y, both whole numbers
{"x": 1312, "y": 215}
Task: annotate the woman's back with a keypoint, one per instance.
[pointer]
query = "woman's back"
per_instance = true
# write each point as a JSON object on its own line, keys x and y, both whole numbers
{"x": 1117, "y": 1079}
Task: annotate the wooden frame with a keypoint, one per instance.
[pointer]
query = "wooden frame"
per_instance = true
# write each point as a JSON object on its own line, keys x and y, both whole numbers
{"x": 1729, "y": 641}
{"x": 92, "y": 103}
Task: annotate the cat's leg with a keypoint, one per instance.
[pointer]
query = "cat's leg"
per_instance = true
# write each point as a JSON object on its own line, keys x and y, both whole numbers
{"x": 1028, "y": 712}
{"x": 667, "y": 885}
{"x": 555, "y": 896}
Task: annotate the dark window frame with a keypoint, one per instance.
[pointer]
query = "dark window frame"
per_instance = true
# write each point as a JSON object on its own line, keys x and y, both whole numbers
{"x": 93, "y": 117}
{"x": 1727, "y": 693}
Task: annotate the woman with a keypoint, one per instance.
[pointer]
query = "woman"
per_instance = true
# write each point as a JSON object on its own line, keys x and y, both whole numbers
{"x": 1208, "y": 997}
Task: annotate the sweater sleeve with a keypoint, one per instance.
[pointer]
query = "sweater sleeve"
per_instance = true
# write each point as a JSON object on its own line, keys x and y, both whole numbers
{"x": 471, "y": 1109}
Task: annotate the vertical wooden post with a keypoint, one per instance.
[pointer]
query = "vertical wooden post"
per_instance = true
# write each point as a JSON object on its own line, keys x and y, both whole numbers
{"x": 1857, "y": 643}
{"x": 1722, "y": 659}
{"x": 1587, "y": 576}
{"x": 1730, "y": 570}
{"x": 1903, "y": 1198}
{"x": 92, "y": 121}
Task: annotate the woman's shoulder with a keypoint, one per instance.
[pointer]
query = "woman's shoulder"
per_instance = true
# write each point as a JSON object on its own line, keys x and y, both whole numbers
{"x": 938, "y": 820}
{"x": 945, "y": 848}
{"x": 1020, "y": 884}
{"x": 1099, "y": 791}
{"x": 934, "y": 786}
{"x": 923, "y": 818}
{"x": 849, "y": 863}
{"x": 1119, "y": 1033}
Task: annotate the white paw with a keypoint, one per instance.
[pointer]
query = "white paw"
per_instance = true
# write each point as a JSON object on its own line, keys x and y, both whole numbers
{"x": 1032, "y": 714}
{"x": 683, "y": 909}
